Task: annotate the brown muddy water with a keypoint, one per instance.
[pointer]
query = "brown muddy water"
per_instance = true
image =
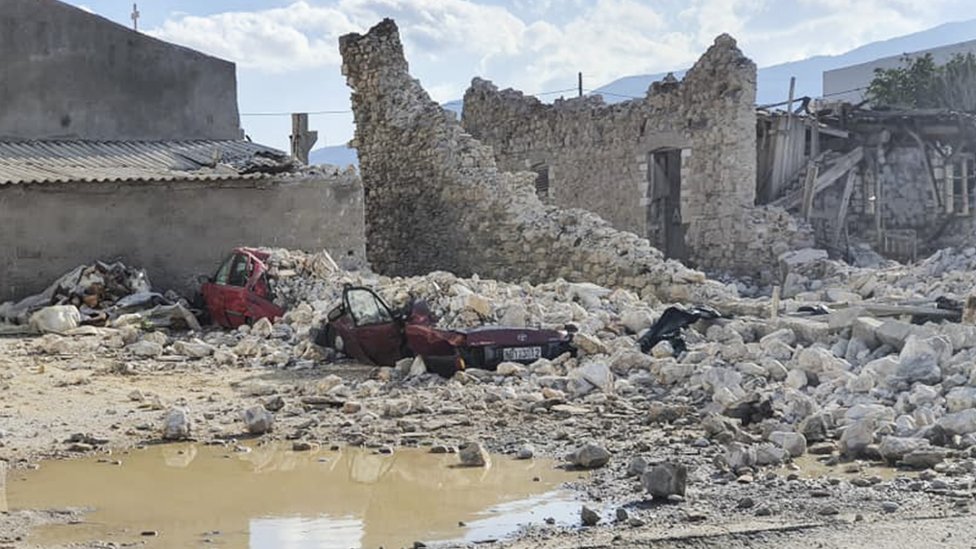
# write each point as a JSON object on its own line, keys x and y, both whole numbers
{"x": 269, "y": 497}
{"x": 811, "y": 466}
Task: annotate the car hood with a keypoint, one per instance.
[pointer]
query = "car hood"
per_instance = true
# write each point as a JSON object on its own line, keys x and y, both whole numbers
{"x": 511, "y": 336}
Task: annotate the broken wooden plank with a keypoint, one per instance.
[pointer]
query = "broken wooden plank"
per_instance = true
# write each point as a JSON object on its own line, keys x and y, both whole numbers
{"x": 834, "y": 132}
{"x": 842, "y": 211}
{"x": 881, "y": 310}
{"x": 824, "y": 180}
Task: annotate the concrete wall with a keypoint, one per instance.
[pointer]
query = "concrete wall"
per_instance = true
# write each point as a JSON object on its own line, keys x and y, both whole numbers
{"x": 842, "y": 84}
{"x": 173, "y": 230}
{"x": 67, "y": 73}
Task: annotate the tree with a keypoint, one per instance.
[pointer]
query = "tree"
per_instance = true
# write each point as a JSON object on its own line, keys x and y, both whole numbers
{"x": 920, "y": 83}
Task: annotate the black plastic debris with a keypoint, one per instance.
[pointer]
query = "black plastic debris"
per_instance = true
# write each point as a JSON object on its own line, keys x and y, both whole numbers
{"x": 671, "y": 324}
{"x": 814, "y": 310}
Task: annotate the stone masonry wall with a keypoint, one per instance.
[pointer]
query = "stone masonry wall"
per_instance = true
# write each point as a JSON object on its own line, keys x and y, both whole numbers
{"x": 435, "y": 199}
{"x": 598, "y": 154}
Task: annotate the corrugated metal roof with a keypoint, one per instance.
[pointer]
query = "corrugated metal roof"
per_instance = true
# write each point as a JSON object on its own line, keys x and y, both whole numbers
{"x": 62, "y": 161}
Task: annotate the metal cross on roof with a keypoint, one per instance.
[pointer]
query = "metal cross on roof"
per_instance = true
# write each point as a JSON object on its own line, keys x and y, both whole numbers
{"x": 135, "y": 17}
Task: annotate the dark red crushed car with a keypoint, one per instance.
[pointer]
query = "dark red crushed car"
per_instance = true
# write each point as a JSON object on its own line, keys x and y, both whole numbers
{"x": 365, "y": 328}
{"x": 241, "y": 291}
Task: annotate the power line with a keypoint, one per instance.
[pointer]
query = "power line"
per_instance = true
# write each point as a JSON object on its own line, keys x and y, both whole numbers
{"x": 312, "y": 113}
{"x": 845, "y": 91}
{"x": 539, "y": 94}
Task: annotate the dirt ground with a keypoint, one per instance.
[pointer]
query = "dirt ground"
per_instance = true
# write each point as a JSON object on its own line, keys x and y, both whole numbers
{"x": 87, "y": 398}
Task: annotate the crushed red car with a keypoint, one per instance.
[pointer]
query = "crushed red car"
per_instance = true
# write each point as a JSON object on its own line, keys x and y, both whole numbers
{"x": 365, "y": 328}
{"x": 241, "y": 291}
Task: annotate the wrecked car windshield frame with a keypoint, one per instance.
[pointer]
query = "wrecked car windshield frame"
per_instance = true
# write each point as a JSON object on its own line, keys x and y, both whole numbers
{"x": 365, "y": 299}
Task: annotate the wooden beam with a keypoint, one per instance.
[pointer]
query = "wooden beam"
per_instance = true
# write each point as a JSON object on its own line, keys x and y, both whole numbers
{"x": 878, "y": 189}
{"x": 842, "y": 211}
{"x": 965, "y": 186}
{"x": 808, "y": 184}
{"x": 824, "y": 180}
{"x": 928, "y": 164}
{"x": 789, "y": 104}
{"x": 949, "y": 187}
{"x": 834, "y": 132}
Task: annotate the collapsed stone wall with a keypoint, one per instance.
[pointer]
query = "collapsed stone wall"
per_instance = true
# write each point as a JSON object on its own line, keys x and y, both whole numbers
{"x": 599, "y": 155}
{"x": 436, "y": 200}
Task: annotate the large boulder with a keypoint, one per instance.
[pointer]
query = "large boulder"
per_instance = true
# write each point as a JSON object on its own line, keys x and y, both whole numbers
{"x": 893, "y": 449}
{"x": 258, "y": 420}
{"x": 795, "y": 444}
{"x": 666, "y": 479}
{"x": 924, "y": 458}
{"x": 958, "y": 423}
{"x": 822, "y": 362}
{"x": 145, "y": 348}
{"x": 177, "y": 424}
{"x": 473, "y": 454}
{"x": 857, "y": 436}
{"x": 589, "y": 456}
{"x": 960, "y": 398}
{"x": 919, "y": 359}
{"x": 193, "y": 348}
{"x": 597, "y": 374}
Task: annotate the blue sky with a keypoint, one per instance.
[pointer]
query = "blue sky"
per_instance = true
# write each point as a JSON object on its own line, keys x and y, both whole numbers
{"x": 287, "y": 55}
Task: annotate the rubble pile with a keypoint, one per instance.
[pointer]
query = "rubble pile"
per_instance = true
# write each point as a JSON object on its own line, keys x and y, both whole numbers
{"x": 714, "y": 405}
{"x": 810, "y": 276}
{"x": 876, "y": 387}
{"x": 98, "y": 294}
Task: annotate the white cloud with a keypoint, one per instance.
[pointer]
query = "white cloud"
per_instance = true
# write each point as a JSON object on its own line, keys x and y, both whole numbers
{"x": 278, "y": 40}
{"x": 549, "y": 41}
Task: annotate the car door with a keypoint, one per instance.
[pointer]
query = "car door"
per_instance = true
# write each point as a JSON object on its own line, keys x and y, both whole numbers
{"x": 213, "y": 294}
{"x": 225, "y": 295}
{"x": 235, "y": 291}
{"x": 372, "y": 331}
{"x": 260, "y": 294}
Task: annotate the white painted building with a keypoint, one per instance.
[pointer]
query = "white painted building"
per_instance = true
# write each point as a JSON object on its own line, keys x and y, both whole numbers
{"x": 850, "y": 83}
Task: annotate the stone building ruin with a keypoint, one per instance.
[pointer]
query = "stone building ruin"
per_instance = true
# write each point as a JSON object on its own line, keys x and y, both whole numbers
{"x": 436, "y": 199}
{"x": 901, "y": 182}
{"x": 677, "y": 166}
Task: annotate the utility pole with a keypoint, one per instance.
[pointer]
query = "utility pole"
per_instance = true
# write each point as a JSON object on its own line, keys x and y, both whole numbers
{"x": 581, "y": 84}
{"x": 302, "y": 140}
{"x": 135, "y": 17}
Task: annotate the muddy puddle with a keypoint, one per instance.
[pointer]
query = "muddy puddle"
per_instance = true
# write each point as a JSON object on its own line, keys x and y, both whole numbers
{"x": 811, "y": 466}
{"x": 270, "y": 497}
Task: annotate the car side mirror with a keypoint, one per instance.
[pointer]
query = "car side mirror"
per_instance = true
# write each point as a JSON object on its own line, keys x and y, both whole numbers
{"x": 335, "y": 313}
{"x": 204, "y": 279}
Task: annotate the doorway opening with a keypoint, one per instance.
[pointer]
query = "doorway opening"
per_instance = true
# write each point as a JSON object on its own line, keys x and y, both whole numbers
{"x": 665, "y": 229}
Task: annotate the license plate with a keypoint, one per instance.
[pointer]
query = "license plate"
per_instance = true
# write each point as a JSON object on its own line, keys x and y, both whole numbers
{"x": 522, "y": 353}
